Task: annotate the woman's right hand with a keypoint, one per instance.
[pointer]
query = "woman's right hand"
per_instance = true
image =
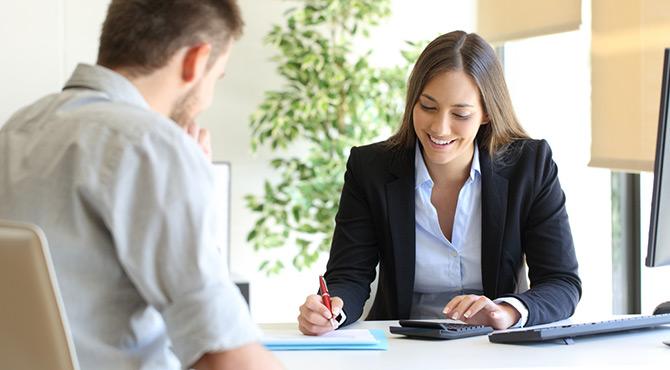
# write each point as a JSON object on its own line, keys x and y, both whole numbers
{"x": 315, "y": 319}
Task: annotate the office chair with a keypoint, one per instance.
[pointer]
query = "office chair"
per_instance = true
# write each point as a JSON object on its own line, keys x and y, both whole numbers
{"x": 33, "y": 329}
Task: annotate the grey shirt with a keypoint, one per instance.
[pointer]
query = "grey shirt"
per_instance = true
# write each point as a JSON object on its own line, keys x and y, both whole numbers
{"x": 125, "y": 199}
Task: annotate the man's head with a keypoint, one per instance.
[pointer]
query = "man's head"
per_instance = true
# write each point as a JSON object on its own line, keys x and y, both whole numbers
{"x": 174, "y": 50}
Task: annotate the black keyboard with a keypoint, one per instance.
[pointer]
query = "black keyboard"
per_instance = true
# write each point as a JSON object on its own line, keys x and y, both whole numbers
{"x": 575, "y": 330}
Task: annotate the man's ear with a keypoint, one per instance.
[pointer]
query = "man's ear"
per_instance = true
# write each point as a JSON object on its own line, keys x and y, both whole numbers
{"x": 194, "y": 63}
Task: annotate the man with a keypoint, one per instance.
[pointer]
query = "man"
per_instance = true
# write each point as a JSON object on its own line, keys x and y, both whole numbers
{"x": 124, "y": 194}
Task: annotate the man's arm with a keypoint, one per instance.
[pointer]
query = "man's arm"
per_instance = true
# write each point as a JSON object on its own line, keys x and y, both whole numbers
{"x": 248, "y": 357}
{"x": 160, "y": 213}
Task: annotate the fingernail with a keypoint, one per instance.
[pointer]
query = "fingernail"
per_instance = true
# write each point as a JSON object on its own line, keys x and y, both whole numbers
{"x": 454, "y": 316}
{"x": 446, "y": 309}
{"x": 467, "y": 314}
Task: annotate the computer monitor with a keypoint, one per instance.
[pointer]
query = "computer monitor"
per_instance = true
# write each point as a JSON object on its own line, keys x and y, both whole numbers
{"x": 222, "y": 195}
{"x": 658, "y": 250}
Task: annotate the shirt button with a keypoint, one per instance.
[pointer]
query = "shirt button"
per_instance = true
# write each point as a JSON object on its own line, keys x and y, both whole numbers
{"x": 454, "y": 253}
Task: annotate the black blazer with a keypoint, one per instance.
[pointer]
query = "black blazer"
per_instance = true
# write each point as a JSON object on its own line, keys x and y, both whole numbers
{"x": 523, "y": 212}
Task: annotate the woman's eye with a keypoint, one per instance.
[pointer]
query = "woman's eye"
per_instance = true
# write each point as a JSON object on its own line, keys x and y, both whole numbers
{"x": 425, "y": 107}
{"x": 462, "y": 116}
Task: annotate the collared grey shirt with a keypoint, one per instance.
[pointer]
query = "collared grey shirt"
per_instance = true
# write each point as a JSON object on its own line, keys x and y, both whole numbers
{"x": 125, "y": 199}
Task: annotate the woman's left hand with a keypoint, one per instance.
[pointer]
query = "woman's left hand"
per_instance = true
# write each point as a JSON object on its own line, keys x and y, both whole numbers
{"x": 479, "y": 310}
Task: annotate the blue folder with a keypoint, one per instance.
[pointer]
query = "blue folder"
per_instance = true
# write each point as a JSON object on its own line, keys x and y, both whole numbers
{"x": 382, "y": 344}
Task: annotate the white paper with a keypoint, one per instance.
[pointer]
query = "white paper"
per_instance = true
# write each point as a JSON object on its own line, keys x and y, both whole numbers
{"x": 346, "y": 336}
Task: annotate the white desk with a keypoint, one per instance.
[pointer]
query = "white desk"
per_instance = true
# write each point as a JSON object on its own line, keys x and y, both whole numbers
{"x": 629, "y": 350}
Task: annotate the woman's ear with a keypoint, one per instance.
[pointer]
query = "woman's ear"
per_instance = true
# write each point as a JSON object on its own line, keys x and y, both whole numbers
{"x": 194, "y": 62}
{"x": 485, "y": 119}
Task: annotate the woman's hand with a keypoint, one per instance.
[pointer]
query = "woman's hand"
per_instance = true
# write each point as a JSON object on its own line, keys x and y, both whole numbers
{"x": 315, "y": 319}
{"x": 479, "y": 310}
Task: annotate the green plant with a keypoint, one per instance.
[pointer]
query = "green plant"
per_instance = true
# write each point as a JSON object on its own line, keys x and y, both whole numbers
{"x": 333, "y": 99}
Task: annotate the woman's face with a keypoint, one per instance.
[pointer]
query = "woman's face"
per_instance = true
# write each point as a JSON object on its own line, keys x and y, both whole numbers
{"x": 447, "y": 117}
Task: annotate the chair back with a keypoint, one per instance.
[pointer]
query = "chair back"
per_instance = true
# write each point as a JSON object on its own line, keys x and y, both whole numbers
{"x": 34, "y": 333}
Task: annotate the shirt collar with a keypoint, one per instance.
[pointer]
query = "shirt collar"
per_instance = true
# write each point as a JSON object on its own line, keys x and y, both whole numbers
{"x": 114, "y": 85}
{"x": 422, "y": 176}
{"x": 475, "y": 170}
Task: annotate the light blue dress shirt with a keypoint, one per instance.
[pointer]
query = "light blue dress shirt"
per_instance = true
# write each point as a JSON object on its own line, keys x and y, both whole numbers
{"x": 447, "y": 268}
{"x": 125, "y": 199}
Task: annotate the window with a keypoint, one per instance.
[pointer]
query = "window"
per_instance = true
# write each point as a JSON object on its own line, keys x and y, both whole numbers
{"x": 549, "y": 80}
{"x": 654, "y": 287}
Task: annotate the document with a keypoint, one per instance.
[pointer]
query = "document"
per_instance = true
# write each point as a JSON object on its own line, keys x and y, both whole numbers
{"x": 345, "y": 339}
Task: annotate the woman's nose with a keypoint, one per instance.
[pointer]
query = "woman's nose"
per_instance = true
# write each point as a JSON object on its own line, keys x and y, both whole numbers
{"x": 442, "y": 125}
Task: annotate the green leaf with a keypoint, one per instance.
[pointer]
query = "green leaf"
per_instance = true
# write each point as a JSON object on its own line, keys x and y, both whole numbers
{"x": 263, "y": 265}
{"x": 332, "y": 99}
{"x": 296, "y": 213}
{"x": 252, "y": 235}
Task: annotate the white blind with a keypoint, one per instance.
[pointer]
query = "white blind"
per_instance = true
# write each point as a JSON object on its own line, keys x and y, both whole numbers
{"x": 503, "y": 20}
{"x": 628, "y": 40}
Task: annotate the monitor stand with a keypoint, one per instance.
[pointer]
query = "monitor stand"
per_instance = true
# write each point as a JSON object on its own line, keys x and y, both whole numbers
{"x": 660, "y": 309}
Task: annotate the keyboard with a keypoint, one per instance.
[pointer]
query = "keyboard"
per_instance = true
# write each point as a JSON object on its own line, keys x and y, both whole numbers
{"x": 569, "y": 331}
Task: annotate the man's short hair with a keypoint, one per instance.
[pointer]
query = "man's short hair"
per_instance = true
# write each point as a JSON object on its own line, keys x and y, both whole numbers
{"x": 142, "y": 35}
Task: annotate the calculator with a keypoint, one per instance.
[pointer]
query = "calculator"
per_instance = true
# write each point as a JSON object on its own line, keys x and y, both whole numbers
{"x": 438, "y": 329}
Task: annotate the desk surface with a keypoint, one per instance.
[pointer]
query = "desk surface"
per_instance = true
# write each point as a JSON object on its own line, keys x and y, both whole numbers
{"x": 641, "y": 349}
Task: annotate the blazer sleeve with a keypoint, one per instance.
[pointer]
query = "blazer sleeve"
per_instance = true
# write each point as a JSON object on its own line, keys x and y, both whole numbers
{"x": 354, "y": 253}
{"x": 547, "y": 242}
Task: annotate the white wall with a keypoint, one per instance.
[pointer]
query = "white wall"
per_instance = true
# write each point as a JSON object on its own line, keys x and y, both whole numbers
{"x": 31, "y": 62}
{"x": 44, "y": 39}
{"x": 66, "y": 32}
{"x": 82, "y": 25}
{"x": 63, "y": 33}
{"x": 42, "y": 42}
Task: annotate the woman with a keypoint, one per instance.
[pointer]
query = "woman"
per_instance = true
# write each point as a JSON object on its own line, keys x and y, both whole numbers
{"x": 449, "y": 206}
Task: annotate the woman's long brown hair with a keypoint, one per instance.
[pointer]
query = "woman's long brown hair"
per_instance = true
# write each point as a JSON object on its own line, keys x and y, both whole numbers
{"x": 460, "y": 51}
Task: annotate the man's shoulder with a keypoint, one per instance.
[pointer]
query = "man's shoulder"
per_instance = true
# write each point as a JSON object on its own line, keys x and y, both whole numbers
{"x": 30, "y": 112}
{"x": 87, "y": 110}
{"x": 98, "y": 127}
{"x": 94, "y": 113}
{"x": 137, "y": 131}
{"x": 130, "y": 121}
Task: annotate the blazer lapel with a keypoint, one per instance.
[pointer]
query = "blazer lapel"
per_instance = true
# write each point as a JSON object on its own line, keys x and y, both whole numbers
{"x": 400, "y": 200}
{"x": 494, "y": 211}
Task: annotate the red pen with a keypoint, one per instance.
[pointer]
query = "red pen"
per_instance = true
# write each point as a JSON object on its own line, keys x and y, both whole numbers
{"x": 325, "y": 296}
